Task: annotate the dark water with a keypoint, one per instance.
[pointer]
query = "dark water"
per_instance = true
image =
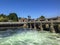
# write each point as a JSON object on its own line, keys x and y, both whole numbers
{"x": 28, "y": 37}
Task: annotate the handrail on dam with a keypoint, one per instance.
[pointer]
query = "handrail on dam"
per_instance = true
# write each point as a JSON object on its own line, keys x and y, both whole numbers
{"x": 29, "y": 22}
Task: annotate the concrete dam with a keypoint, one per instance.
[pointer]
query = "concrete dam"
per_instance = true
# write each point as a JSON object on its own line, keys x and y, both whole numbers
{"x": 53, "y": 26}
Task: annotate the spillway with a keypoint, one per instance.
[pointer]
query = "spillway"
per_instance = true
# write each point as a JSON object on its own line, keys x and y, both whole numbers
{"x": 28, "y": 37}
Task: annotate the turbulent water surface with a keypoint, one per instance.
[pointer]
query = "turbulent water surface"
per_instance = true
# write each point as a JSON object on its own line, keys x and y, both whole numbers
{"x": 28, "y": 37}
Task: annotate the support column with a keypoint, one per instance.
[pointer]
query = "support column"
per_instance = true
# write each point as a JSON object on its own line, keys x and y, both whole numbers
{"x": 25, "y": 25}
{"x": 47, "y": 25}
{"x": 41, "y": 27}
{"x": 30, "y": 26}
{"x": 52, "y": 27}
{"x": 46, "y": 20}
{"x": 59, "y": 27}
{"x": 34, "y": 25}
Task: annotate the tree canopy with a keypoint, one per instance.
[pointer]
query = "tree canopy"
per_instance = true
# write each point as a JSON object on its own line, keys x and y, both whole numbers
{"x": 13, "y": 17}
{"x": 42, "y": 17}
{"x": 29, "y": 18}
{"x": 5, "y": 18}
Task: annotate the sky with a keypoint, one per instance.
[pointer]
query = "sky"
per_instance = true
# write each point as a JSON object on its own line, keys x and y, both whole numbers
{"x": 33, "y": 8}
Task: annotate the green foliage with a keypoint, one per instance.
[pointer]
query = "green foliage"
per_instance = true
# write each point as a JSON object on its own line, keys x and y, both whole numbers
{"x": 13, "y": 17}
{"x": 3, "y": 18}
{"x": 29, "y": 17}
{"x": 42, "y": 17}
{"x": 2, "y": 15}
{"x": 19, "y": 18}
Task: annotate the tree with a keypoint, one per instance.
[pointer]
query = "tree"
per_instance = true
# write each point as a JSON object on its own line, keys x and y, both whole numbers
{"x": 3, "y": 18}
{"x": 13, "y": 17}
{"x": 29, "y": 18}
{"x": 2, "y": 15}
{"x": 42, "y": 17}
{"x": 19, "y": 18}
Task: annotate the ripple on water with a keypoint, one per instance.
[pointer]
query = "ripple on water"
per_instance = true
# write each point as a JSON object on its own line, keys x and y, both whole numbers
{"x": 31, "y": 38}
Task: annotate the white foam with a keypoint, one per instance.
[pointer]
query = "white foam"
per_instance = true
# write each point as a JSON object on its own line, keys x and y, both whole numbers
{"x": 30, "y": 38}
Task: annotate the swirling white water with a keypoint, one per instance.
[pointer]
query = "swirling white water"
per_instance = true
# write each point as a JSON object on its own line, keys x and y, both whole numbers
{"x": 28, "y": 37}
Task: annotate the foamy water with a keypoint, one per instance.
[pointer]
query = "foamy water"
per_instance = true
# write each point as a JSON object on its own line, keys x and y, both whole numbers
{"x": 31, "y": 37}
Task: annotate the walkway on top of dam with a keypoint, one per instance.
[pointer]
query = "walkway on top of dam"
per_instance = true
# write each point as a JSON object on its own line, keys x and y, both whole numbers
{"x": 57, "y": 22}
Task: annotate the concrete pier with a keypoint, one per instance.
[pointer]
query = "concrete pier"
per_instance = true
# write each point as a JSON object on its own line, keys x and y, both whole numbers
{"x": 59, "y": 27}
{"x": 34, "y": 25}
{"x": 41, "y": 28}
{"x": 48, "y": 24}
{"x": 52, "y": 27}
